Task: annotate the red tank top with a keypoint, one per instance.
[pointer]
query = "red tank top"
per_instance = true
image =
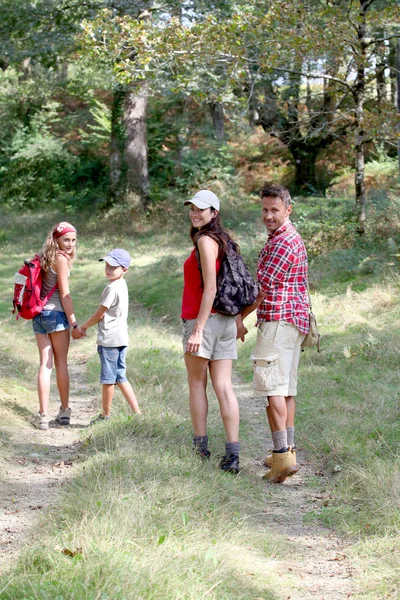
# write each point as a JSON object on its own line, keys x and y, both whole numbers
{"x": 192, "y": 290}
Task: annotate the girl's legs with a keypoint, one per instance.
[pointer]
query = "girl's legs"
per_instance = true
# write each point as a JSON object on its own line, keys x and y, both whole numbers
{"x": 129, "y": 395}
{"x": 45, "y": 367}
{"x": 221, "y": 377}
{"x": 60, "y": 342}
{"x": 197, "y": 379}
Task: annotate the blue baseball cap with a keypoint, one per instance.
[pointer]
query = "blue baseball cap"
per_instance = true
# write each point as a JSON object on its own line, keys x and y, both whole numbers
{"x": 117, "y": 258}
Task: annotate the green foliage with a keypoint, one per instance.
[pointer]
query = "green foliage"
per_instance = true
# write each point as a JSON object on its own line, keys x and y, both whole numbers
{"x": 203, "y": 166}
{"x": 36, "y": 172}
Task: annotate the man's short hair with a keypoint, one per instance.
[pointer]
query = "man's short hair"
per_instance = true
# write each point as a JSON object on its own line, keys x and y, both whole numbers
{"x": 274, "y": 190}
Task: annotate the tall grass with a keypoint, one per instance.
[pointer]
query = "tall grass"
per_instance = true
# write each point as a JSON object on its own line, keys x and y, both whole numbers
{"x": 141, "y": 518}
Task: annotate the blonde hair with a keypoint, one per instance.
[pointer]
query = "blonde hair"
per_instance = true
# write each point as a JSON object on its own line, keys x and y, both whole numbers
{"x": 50, "y": 248}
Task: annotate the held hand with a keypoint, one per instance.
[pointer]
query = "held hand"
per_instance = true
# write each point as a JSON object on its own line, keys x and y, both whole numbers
{"x": 78, "y": 333}
{"x": 193, "y": 343}
{"x": 241, "y": 331}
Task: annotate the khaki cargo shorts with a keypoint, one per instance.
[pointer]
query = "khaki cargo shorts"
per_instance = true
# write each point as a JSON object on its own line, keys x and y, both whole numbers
{"x": 219, "y": 337}
{"x": 276, "y": 359}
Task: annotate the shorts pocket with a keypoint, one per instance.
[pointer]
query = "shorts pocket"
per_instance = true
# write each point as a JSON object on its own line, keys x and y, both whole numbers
{"x": 265, "y": 373}
{"x": 50, "y": 322}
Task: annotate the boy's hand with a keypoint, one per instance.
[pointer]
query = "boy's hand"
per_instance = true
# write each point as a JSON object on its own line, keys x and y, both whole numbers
{"x": 78, "y": 333}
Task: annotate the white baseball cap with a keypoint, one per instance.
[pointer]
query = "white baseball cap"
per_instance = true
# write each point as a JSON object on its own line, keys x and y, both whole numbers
{"x": 204, "y": 199}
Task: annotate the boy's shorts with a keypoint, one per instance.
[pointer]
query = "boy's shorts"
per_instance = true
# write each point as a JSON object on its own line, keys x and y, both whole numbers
{"x": 219, "y": 337}
{"x": 50, "y": 321}
{"x": 276, "y": 359}
{"x": 112, "y": 364}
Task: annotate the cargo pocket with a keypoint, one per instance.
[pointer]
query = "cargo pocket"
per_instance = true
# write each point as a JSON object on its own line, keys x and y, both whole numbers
{"x": 265, "y": 373}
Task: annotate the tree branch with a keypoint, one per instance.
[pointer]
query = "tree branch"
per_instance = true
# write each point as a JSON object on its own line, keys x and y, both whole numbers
{"x": 315, "y": 76}
{"x": 385, "y": 39}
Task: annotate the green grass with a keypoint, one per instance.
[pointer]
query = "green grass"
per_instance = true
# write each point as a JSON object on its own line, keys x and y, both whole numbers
{"x": 140, "y": 514}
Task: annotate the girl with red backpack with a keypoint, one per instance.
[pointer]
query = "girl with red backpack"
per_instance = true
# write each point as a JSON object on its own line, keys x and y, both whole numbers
{"x": 51, "y": 326}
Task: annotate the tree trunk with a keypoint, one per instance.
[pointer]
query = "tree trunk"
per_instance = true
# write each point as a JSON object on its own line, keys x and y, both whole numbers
{"x": 217, "y": 112}
{"x": 359, "y": 97}
{"x": 128, "y": 152}
{"x": 305, "y": 157}
{"x": 136, "y": 153}
{"x": 398, "y": 95}
{"x": 116, "y": 188}
{"x": 392, "y": 64}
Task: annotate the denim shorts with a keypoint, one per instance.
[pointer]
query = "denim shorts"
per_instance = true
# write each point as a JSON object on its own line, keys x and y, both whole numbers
{"x": 112, "y": 364}
{"x": 50, "y": 321}
{"x": 219, "y": 337}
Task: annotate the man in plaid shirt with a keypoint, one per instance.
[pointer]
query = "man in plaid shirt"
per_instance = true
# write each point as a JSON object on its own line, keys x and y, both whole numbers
{"x": 282, "y": 321}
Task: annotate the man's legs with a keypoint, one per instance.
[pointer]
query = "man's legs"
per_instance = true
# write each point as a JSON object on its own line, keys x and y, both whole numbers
{"x": 281, "y": 413}
{"x": 276, "y": 358}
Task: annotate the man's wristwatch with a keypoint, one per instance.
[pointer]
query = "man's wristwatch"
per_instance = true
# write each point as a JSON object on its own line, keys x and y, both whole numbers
{"x": 75, "y": 325}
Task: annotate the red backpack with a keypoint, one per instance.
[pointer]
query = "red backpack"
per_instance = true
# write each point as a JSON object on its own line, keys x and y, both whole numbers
{"x": 27, "y": 288}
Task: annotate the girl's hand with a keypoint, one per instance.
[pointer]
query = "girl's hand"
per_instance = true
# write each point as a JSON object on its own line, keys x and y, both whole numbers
{"x": 78, "y": 333}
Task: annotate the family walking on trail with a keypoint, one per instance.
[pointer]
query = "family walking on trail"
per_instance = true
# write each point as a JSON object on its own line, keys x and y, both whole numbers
{"x": 208, "y": 337}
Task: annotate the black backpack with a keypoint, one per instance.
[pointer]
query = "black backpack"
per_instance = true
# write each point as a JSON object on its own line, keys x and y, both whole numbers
{"x": 236, "y": 288}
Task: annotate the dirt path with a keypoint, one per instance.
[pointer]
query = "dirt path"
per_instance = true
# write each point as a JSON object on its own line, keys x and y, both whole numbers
{"x": 318, "y": 564}
{"x": 41, "y": 462}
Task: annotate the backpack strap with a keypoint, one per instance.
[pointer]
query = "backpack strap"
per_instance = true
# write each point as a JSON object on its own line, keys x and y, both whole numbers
{"x": 51, "y": 292}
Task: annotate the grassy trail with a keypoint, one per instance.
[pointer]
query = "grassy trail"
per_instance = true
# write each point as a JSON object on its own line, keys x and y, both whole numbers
{"x": 314, "y": 564}
{"x": 140, "y": 518}
{"x": 38, "y": 462}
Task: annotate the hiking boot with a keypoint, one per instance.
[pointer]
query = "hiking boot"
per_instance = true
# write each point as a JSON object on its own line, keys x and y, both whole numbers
{"x": 230, "y": 464}
{"x": 40, "y": 421}
{"x": 268, "y": 460}
{"x": 64, "y": 416}
{"x": 205, "y": 454}
{"x": 283, "y": 466}
{"x": 99, "y": 419}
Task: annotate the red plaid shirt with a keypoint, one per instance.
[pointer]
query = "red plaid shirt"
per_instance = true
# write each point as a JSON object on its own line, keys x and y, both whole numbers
{"x": 282, "y": 276}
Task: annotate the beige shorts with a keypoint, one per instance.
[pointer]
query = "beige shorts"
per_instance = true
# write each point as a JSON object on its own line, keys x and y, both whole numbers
{"x": 276, "y": 359}
{"x": 219, "y": 337}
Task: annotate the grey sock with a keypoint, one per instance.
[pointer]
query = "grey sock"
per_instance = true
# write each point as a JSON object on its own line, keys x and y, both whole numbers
{"x": 290, "y": 436}
{"x": 200, "y": 442}
{"x": 232, "y": 449}
{"x": 279, "y": 439}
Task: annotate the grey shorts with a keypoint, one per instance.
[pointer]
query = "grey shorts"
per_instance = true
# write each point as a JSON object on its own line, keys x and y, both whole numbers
{"x": 219, "y": 337}
{"x": 276, "y": 359}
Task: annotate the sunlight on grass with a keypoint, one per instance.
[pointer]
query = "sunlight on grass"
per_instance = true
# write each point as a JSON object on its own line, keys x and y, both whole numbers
{"x": 140, "y": 513}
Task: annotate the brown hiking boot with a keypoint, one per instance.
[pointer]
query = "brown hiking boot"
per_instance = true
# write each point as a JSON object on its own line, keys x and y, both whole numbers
{"x": 283, "y": 466}
{"x": 268, "y": 459}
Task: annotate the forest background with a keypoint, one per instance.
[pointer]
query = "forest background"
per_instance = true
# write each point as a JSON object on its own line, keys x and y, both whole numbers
{"x": 114, "y": 112}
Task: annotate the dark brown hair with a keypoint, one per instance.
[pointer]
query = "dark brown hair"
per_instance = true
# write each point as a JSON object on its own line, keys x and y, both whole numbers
{"x": 215, "y": 231}
{"x": 275, "y": 190}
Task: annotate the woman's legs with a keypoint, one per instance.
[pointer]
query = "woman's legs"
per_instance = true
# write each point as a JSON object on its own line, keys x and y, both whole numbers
{"x": 197, "y": 379}
{"x": 60, "y": 342}
{"x": 45, "y": 367}
{"x": 221, "y": 377}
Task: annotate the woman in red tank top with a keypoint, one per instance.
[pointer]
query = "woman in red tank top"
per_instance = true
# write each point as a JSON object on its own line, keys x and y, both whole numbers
{"x": 209, "y": 339}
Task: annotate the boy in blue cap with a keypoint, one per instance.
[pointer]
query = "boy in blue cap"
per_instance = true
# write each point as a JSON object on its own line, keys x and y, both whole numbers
{"x": 112, "y": 338}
